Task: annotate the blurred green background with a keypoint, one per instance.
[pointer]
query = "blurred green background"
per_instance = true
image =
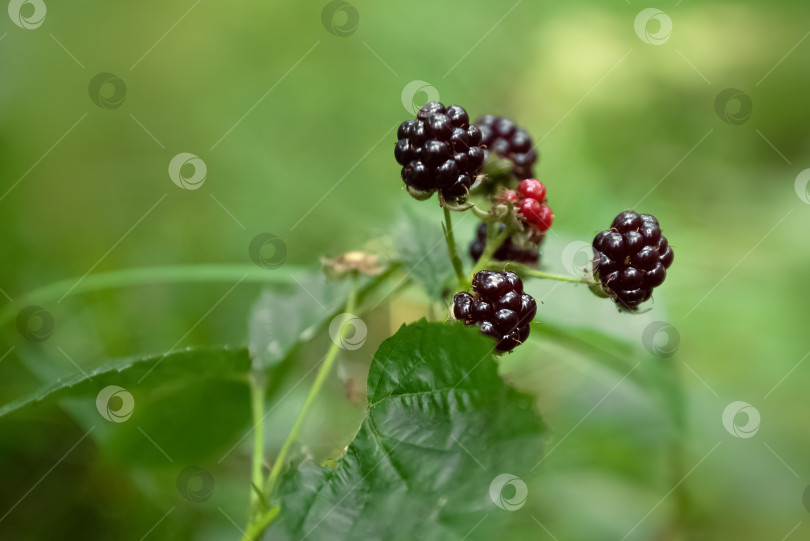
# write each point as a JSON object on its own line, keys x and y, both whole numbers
{"x": 296, "y": 127}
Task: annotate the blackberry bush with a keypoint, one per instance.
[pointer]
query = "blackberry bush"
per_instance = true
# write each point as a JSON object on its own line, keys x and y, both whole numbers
{"x": 438, "y": 151}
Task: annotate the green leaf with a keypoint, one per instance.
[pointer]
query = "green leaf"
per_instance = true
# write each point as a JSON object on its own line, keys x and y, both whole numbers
{"x": 166, "y": 410}
{"x": 421, "y": 248}
{"x": 441, "y": 426}
{"x": 281, "y": 319}
{"x": 189, "y": 365}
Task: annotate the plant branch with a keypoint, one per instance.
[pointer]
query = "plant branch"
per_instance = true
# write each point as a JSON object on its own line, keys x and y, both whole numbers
{"x": 449, "y": 237}
{"x": 526, "y": 271}
{"x": 494, "y": 240}
{"x": 323, "y": 371}
{"x": 258, "y": 388}
{"x": 534, "y": 273}
{"x": 255, "y": 528}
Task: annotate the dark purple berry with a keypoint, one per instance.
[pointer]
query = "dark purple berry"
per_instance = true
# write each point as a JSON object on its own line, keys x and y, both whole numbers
{"x": 499, "y": 308}
{"x": 630, "y": 278}
{"x": 488, "y": 329}
{"x": 480, "y": 309}
{"x": 655, "y": 276}
{"x": 406, "y": 129}
{"x": 458, "y": 116}
{"x": 646, "y": 258}
{"x": 435, "y": 153}
{"x": 528, "y": 308}
{"x": 474, "y": 136}
{"x": 514, "y": 281}
{"x": 506, "y": 320}
{"x": 612, "y": 245}
{"x": 626, "y": 221}
{"x": 511, "y": 300}
{"x": 462, "y": 306}
{"x": 502, "y": 138}
{"x": 439, "y": 150}
{"x": 491, "y": 284}
{"x": 667, "y": 257}
{"x": 633, "y": 241}
{"x": 429, "y": 109}
{"x": 447, "y": 173}
{"x": 631, "y": 258}
{"x": 439, "y": 126}
{"x": 402, "y": 152}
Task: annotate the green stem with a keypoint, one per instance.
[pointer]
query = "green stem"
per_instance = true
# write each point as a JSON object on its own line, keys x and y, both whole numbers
{"x": 255, "y": 528}
{"x": 672, "y": 389}
{"x": 320, "y": 378}
{"x": 534, "y": 273}
{"x": 56, "y": 291}
{"x": 451, "y": 249}
{"x": 494, "y": 240}
{"x": 258, "y": 388}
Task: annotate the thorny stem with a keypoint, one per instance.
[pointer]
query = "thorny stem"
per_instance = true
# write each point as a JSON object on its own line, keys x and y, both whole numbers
{"x": 451, "y": 249}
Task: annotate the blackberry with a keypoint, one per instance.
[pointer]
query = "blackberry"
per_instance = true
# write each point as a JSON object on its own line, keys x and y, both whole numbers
{"x": 510, "y": 142}
{"x": 499, "y": 307}
{"x": 631, "y": 258}
{"x": 508, "y": 251}
{"x": 439, "y": 150}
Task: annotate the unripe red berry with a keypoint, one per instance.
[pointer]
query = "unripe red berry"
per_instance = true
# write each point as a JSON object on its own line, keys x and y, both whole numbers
{"x": 545, "y": 218}
{"x": 532, "y": 189}
{"x": 530, "y": 209}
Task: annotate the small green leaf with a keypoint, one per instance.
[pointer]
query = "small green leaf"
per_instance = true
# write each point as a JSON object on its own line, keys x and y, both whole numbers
{"x": 421, "y": 248}
{"x": 440, "y": 429}
{"x": 280, "y": 319}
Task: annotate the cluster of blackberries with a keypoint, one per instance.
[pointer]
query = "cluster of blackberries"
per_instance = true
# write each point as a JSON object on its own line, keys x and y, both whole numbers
{"x": 509, "y": 142}
{"x": 499, "y": 307}
{"x": 439, "y": 150}
{"x": 530, "y": 200}
{"x": 631, "y": 258}
{"x": 508, "y": 251}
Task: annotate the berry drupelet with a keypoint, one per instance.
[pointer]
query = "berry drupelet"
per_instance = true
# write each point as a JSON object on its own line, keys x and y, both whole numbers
{"x": 509, "y": 142}
{"x": 439, "y": 150}
{"x": 631, "y": 258}
{"x": 499, "y": 307}
{"x": 508, "y": 251}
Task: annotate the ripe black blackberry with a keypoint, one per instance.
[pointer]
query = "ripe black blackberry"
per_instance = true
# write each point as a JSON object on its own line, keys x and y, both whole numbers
{"x": 508, "y": 251}
{"x": 499, "y": 307}
{"x": 510, "y": 142}
{"x": 631, "y": 258}
{"x": 439, "y": 150}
